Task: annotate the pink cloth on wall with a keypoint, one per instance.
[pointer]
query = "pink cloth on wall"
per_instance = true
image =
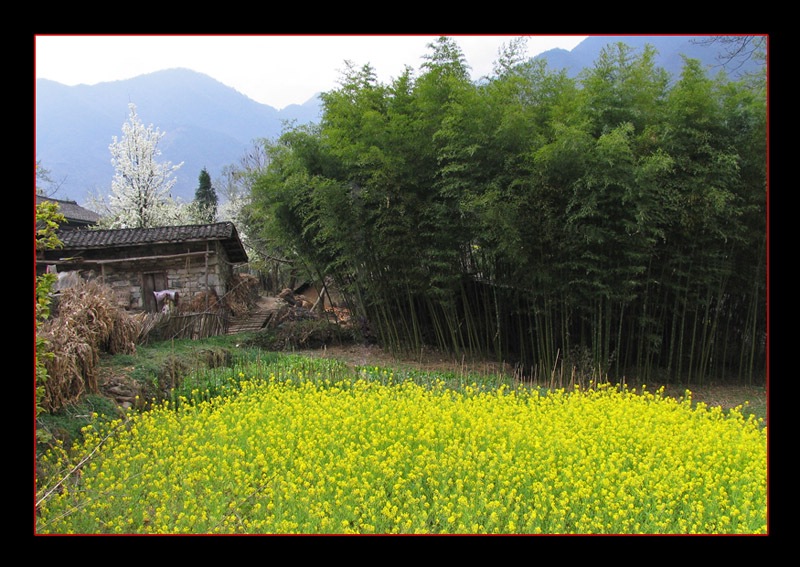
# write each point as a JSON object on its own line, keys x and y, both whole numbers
{"x": 167, "y": 299}
{"x": 166, "y": 293}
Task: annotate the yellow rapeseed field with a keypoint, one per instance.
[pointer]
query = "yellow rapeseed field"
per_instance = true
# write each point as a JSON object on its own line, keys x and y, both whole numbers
{"x": 369, "y": 453}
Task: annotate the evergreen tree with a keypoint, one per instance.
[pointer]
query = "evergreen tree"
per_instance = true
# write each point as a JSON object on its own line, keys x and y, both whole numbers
{"x": 205, "y": 198}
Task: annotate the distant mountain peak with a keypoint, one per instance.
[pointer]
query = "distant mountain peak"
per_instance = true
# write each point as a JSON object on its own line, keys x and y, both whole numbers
{"x": 669, "y": 52}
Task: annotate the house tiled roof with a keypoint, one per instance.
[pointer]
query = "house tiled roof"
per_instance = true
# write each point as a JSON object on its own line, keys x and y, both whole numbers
{"x": 225, "y": 232}
{"x": 72, "y": 211}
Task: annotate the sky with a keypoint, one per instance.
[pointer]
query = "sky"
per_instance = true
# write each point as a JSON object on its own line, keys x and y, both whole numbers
{"x": 277, "y": 70}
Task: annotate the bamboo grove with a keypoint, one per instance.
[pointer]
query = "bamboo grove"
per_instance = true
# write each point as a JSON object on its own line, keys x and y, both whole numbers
{"x": 611, "y": 223}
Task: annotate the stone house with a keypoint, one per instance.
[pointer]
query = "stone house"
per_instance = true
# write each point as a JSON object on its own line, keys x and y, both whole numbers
{"x": 140, "y": 264}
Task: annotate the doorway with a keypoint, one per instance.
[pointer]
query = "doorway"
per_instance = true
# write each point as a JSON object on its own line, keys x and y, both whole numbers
{"x": 152, "y": 281}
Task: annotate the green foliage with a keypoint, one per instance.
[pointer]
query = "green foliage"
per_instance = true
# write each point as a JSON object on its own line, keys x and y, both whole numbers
{"x": 48, "y": 220}
{"x": 205, "y": 198}
{"x": 65, "y": 425}
{"x": 531, "y": 216}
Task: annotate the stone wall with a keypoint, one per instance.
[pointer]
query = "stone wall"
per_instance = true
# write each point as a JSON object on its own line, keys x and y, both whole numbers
{"x": 189, "y": 275}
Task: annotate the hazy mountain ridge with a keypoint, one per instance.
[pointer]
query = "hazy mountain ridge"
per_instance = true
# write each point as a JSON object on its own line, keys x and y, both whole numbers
{"x": 670, "y": 51}
{"x": 206, "y": 124}
{"x": 211, "y": 125}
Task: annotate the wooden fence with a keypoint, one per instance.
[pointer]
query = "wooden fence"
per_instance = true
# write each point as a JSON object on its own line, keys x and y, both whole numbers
{"x": 163, "y": 326}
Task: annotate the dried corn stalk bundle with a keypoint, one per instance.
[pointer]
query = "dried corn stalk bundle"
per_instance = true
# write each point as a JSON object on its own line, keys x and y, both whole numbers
{"x": 243, "y": 294}
{"x": 88, "y": 322}
{"x": 206, "y": 301}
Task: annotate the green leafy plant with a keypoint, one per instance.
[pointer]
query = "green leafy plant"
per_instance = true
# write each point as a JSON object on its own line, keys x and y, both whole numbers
{"x": 48, "y": 219}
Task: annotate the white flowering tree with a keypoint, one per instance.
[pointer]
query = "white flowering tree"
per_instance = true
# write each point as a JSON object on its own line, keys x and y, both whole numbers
{"x": 140, "y": 191}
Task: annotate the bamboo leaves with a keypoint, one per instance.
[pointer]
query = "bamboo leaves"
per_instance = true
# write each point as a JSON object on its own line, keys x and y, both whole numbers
{"x": 537, "y": 218}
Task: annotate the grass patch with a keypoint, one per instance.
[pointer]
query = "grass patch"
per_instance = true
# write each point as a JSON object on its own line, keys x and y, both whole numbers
{"x": 65, "y": 425}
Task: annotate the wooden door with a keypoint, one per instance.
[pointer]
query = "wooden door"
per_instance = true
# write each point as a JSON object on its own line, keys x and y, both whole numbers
{"x": 152, "y": 281}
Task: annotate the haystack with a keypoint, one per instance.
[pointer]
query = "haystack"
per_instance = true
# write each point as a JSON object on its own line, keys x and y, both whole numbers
{"x": 89, "y": 322}
{"x": 243, "y": 294}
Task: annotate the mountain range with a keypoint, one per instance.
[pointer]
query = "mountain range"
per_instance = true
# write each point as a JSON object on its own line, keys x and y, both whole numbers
{"x": 670, "y": 53}
{"x": 206, "y": 124}
{"x": 210, "y": 125}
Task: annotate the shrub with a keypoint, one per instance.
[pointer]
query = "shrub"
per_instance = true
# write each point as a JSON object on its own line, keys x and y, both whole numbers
{"x": 47, "y": 222}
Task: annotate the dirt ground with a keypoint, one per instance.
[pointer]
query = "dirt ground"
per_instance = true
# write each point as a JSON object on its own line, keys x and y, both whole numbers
{"x": 364, "y": 355}
{"x": 727, "y": 396}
